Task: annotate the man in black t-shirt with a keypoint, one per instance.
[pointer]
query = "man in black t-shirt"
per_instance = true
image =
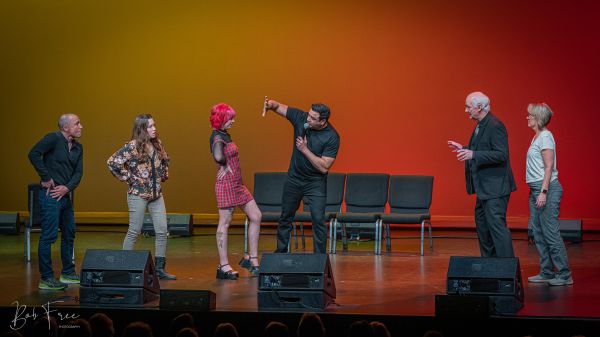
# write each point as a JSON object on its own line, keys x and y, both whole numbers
{"x": 316, "y": 146}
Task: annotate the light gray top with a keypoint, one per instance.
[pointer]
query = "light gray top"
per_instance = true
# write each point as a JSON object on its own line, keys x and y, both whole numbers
{"x": 535, "y": 162}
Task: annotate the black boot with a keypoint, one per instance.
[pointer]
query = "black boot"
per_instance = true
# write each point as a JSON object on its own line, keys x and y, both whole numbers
{"x": 160, "y": 269}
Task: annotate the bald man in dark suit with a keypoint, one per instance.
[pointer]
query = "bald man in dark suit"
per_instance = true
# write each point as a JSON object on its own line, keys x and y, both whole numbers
{"x": 488, "y": 175}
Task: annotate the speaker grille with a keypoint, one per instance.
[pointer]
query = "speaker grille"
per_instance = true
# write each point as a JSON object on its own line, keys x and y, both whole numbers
{"x": 291, "y": 281}
{"x": 480, "y": 286}
{"x": 113, "y": 278}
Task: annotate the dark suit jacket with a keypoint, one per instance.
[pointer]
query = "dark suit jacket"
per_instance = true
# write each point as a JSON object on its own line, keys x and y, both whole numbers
{"x": 489, "y": 174}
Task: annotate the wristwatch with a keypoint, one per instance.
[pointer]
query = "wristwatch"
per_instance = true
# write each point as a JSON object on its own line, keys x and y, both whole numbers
{"x": 545, "y": 191}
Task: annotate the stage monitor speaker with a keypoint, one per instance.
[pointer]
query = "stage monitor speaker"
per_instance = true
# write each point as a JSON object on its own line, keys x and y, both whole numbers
{"x": 118, "y": 277}
{"x": 194, "y": 300}
{"x": 497, "y": 278}
{"x": 570, "y": 231}
{"x": 295, "y": 282}
{"x": 9, "y": 223}
{"x": 177, "y": 224}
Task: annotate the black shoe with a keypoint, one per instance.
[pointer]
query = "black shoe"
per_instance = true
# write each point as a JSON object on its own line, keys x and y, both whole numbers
{"x": 52, "y": 284}
{"x": 255, "y": 270}
{"x": 246, "y": 264}
{"x": 226, "y": 275}
{"x": 72, "y": 278}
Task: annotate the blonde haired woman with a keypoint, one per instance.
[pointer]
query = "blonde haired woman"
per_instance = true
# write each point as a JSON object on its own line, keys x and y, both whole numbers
{"x": 544, "y": 200}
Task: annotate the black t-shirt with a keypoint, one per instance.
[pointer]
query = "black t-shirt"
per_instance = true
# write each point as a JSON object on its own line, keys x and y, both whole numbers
{"x": 323, "y": 143}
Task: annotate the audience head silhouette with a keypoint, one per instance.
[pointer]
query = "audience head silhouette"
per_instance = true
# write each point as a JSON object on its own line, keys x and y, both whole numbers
{"x": 310, "y": 326}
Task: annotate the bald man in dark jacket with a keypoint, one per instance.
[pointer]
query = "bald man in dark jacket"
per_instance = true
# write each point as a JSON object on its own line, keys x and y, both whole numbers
{"x": 488, "y": 175}
{"x": 58, "y": 160}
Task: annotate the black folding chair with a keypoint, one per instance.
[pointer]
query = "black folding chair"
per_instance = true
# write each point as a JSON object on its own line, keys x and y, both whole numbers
{"x": 268, "y": 190}
{"x": 410, "y": 200}
{"x": 366, "y": 195}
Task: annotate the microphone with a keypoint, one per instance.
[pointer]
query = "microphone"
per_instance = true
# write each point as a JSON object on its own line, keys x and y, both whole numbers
{"x": 304, "y": 128}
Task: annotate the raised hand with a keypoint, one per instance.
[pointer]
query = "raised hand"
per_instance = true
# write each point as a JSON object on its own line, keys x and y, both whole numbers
{"x": 271, "y": 105}
{"x": 454, "y": 146}
{"x": 464, "y": 154}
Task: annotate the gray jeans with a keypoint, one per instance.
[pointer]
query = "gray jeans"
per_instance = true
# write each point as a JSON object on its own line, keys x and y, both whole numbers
{"x": 157, "y": 210}
{"x": 544, "y": 225}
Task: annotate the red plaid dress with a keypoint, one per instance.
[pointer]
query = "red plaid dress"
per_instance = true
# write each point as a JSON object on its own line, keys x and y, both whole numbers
{"x": 230, "y": 189}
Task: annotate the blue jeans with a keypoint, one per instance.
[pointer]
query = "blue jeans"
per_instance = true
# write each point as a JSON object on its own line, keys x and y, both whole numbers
{"x": 55, "y": 215}
{"x": 546, "y": 233}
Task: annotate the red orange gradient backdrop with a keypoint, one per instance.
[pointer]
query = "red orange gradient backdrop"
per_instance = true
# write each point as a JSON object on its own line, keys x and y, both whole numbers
{"x": 395, "y": 74}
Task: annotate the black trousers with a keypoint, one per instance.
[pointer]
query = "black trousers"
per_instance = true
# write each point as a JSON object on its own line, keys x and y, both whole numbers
{"x": 315, "y": 193}
{"x": 493, "y": 234}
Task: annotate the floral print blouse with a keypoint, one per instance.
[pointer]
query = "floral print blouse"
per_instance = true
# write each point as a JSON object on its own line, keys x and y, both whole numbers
{"x": 144, "y": 177}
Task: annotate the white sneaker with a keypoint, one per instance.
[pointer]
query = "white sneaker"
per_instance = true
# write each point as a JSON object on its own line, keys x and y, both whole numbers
{"x": 539, "y": 279}
{"x": 560, "y": 281}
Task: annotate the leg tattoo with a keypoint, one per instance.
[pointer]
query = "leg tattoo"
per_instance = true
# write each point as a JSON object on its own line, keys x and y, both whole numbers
{"x": 220, "y": 239}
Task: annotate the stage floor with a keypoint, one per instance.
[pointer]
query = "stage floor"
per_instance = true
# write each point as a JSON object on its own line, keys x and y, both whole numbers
{"x": 398, "y": 283}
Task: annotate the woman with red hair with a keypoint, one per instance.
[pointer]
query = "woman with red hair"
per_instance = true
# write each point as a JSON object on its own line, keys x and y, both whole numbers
{"x": 231, "y": 192}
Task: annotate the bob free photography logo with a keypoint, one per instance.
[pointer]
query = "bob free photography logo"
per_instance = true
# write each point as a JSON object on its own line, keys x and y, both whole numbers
{"x": 24, "y": 316}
